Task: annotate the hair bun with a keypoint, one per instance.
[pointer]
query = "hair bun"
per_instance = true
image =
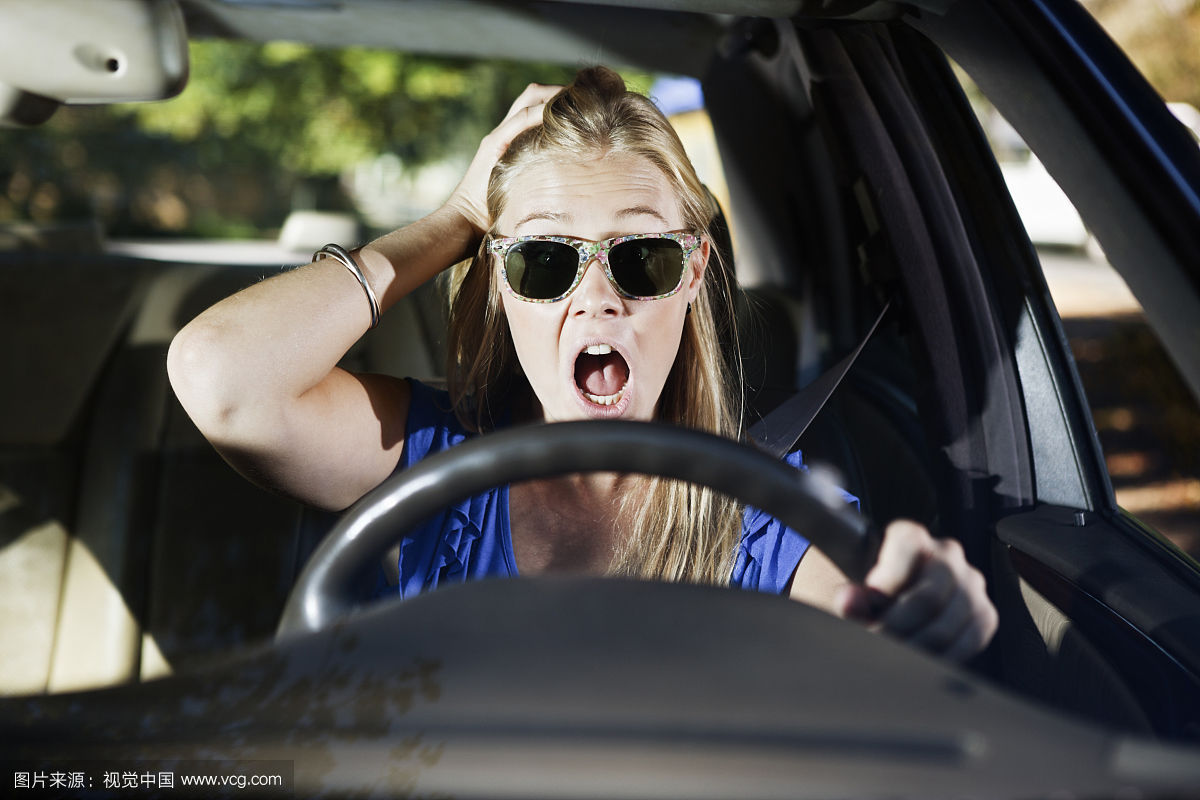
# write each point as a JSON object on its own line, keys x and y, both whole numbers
{"x": 593, "y": 95}
{"x": 599, "y": 80}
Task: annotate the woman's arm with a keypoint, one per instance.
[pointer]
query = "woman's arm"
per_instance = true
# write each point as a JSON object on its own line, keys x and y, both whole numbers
{"x": 258, "y": 371}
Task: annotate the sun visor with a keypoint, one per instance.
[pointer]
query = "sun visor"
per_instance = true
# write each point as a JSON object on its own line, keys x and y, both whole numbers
{"x": 83, "y": 51}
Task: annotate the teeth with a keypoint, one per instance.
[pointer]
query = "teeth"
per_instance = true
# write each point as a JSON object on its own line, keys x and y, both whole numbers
{"x": 604, "y": 399}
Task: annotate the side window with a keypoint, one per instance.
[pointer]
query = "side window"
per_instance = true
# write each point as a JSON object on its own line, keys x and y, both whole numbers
{"x": 1147, "y": 420}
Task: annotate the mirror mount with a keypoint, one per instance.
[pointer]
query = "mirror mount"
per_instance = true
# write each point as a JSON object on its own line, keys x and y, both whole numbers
{"x": 23, "y": 109}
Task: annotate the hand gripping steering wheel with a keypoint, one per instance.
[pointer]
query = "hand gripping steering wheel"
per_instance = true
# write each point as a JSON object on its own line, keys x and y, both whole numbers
{"x": 331, "y": 582}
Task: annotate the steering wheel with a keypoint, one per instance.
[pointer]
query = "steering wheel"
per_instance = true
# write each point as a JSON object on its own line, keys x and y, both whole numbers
{"x": 328, "y": 588}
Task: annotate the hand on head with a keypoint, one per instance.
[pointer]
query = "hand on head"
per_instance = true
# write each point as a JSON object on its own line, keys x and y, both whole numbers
{"x": 933, "y": 598}
{"x": 470, "y": 196}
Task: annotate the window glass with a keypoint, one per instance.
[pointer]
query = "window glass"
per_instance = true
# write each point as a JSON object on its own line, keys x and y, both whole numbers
{"x": 1147, "y": 420}
{"x": 368, "y": 139}
{"x": 1161, "y": 39}
{"x": 682, "y": 100}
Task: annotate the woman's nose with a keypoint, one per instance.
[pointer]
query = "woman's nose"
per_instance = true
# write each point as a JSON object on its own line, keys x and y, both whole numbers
{"x": 595, "y": 295}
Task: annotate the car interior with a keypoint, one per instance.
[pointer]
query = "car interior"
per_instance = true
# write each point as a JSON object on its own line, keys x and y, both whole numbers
{"x": 857, "y": 175}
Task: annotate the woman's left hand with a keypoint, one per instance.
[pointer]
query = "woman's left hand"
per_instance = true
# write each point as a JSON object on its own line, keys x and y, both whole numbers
{"x": 931, "y": 597}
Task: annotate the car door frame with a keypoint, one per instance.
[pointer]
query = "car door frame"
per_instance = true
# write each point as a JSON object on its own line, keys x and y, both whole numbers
{"x": 1111, "y": 143}
{"x": 1023, "y": 482}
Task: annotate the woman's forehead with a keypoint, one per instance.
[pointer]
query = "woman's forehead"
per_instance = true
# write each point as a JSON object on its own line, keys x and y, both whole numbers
{"x": 611, "y": 191}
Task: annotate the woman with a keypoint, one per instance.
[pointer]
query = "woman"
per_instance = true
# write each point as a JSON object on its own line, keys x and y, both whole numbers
{"x": 585, "y": 296}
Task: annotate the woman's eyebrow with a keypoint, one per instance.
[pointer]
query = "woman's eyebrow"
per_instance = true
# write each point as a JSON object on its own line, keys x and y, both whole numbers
{"x": 550, "y": 216}
{"x": 642, "y": 211}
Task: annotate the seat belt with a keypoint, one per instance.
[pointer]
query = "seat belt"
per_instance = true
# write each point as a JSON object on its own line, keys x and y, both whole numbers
{"x": 778, "y": 432}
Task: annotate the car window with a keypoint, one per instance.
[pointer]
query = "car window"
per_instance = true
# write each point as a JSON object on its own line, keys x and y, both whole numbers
{"x": 1146, "y": 419}
{"x": 372, "y": 139}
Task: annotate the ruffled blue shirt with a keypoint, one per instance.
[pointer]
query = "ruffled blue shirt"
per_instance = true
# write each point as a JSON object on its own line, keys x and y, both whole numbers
{"x": 473, "y": 538}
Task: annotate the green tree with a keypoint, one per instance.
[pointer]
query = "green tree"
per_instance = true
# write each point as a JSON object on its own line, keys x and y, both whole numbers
{"x": 318, "y": 111}
{"x": 255, "y": 121}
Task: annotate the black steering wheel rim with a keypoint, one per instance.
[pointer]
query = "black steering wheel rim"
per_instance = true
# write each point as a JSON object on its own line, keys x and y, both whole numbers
{"x": 328, "y": 588}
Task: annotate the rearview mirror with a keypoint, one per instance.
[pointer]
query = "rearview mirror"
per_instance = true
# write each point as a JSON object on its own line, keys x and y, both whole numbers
{"x": 87, "y": 51}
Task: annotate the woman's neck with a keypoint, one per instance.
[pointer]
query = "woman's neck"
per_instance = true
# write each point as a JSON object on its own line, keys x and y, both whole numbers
{"x": 567, "y": 524}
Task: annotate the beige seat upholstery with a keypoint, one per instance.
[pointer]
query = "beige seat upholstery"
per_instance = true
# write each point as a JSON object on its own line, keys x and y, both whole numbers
{"x": 59, "y": 337}
{"x": 33, "y": 554}
{"x": 128, "y": 548}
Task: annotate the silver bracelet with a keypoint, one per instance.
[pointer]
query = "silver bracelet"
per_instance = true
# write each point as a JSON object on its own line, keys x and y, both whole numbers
{"x": 338, "y": 252}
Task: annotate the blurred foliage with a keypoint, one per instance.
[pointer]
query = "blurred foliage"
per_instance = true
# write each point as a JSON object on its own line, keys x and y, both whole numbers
{"x": 317, "y": 112}
{"x": 1139, "y": 401}
{"x": 1162, "y": 38}
{"x": 255, "y": 124}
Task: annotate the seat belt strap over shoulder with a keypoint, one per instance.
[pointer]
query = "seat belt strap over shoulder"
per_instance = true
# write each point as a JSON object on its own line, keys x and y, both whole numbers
{"x": 778, "y": 432}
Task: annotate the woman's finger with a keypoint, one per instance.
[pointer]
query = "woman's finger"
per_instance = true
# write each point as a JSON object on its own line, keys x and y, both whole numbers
{"x": 922, "y": 602}
{"x": 964, "y": 622}
{"x": 905, "y": 548}
{"x": 525, "y": 112}
{"x": 975, "y": 636}
{"x": 535, "y": 94}
{"x": 943, "y": 631}
{"x": 513, "y": 126}
{"x": 470, "y": 196}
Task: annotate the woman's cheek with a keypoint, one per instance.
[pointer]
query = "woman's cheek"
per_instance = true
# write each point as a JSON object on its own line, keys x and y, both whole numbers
{"x": 536, "y": 342}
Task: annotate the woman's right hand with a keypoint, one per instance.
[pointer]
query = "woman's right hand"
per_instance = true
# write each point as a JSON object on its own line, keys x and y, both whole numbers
{"x": 470, "y": 197}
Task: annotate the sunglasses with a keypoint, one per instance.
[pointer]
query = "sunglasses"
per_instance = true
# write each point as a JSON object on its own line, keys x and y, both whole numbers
{"x": 642, "y": 266}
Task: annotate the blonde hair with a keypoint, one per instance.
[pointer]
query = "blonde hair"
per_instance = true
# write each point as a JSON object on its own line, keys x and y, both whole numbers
{"x": 676, "y": 531}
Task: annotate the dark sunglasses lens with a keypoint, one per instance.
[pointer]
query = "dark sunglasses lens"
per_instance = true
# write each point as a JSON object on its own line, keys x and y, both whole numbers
{"x": 647, "y": 267}
{"x": 541, "y": 270}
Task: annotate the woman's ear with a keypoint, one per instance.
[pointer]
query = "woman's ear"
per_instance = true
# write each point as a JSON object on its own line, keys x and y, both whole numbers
{"x": 696, "y": 267}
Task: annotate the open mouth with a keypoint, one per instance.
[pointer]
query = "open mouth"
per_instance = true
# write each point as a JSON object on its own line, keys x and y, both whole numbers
{"x": 601, "y": 374}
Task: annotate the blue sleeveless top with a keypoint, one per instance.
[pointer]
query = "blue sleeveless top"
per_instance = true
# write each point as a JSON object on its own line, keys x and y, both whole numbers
{"x": 473, "y": 540}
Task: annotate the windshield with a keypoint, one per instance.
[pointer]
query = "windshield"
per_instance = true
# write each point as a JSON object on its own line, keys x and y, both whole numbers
{"x": 848, "y": 258}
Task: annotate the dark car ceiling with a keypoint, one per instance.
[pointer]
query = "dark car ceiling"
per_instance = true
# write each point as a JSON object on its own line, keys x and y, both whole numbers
{"x": 669, "y": 35}
{"x": 543, "y": 31}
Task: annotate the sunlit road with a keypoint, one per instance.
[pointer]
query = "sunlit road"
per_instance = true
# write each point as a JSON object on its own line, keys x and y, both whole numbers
{"x": 1084, "y": 286}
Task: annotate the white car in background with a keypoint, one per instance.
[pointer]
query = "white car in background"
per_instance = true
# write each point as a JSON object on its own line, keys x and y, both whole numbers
{"x": 1047, "y": 213}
